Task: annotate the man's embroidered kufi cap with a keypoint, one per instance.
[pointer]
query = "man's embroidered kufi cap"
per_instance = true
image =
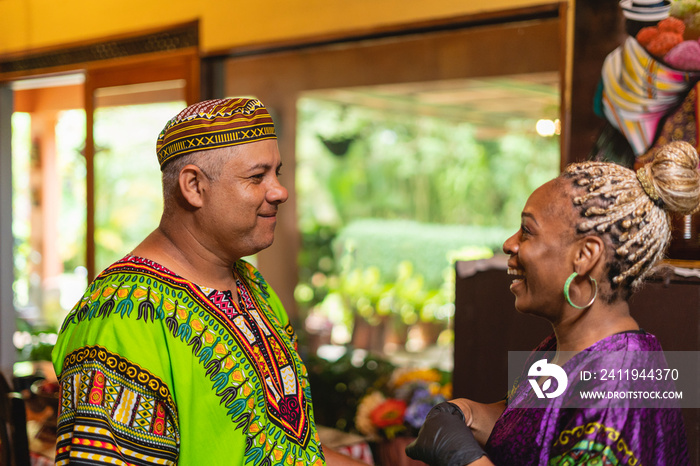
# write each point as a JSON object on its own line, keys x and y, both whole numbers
{"x": 213, "y": 124}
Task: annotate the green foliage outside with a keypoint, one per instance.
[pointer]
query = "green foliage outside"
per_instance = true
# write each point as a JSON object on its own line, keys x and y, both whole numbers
{"x": 21, "y": 205}
{"x": 128, "y": 203}
{"x": 429, "y": 247}
{"x": 128, "y": 200}
{"x": 388, "y": 202}
{"x": 46, "y": 302}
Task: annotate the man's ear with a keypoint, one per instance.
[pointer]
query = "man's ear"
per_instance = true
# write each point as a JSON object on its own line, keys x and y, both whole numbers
{"x": 591, "y": 252}
{"x": 193, "y": 183}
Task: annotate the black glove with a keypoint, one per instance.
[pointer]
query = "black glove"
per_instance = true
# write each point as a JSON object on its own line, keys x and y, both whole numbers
{"x": 444, "y": 439}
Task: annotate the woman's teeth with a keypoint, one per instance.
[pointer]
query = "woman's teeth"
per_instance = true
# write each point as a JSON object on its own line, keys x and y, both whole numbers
{"x": 517, "y": 273}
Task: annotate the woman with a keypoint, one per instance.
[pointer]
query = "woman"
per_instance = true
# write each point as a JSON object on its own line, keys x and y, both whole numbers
{"x": 587, "y": 241}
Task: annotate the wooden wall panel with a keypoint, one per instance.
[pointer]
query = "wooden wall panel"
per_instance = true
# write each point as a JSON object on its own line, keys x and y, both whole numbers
{"x": 598, "y": 30}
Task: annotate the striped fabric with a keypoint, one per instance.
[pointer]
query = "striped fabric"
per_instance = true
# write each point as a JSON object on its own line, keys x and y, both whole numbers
{"x": 114, "y": 412}
{"x": 638, "y": 91}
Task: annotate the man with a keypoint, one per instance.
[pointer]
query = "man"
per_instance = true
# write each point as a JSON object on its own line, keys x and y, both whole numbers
{"x": 180, "y": 352}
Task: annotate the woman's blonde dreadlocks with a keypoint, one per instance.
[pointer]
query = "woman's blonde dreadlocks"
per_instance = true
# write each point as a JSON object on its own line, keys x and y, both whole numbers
{"x": 632, "y": 209}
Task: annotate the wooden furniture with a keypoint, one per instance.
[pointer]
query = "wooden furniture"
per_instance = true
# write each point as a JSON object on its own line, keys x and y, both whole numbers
{"x": 14, "y": 444}
{"x": 487, "y": 326}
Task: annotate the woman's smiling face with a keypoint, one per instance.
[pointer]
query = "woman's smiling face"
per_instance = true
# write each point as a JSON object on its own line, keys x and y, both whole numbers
{"x": 541, "y": 252}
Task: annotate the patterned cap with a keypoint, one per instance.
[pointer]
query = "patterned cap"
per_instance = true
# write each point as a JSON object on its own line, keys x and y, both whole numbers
{"x": 213, "y": 124}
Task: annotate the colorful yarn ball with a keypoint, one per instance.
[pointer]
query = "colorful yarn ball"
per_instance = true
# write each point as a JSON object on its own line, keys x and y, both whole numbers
{"x": 663, "y": 43}
{"x": 684, "y": 56}
{"x": 672, "y": 24}
{"x": 647, "y": 34}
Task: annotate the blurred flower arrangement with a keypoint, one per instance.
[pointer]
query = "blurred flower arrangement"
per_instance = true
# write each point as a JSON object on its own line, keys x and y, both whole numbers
{"x": 399, "y": 408}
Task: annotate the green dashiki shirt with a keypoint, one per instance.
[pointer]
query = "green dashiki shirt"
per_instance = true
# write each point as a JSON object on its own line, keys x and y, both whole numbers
{"x": 154, "y": 369}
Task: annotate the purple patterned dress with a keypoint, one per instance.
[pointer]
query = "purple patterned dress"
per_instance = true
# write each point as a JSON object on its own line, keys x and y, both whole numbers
{"x": 554, "y": 435}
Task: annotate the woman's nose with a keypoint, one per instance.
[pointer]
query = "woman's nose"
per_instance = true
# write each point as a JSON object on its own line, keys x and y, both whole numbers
{"x": 510, "y": 246}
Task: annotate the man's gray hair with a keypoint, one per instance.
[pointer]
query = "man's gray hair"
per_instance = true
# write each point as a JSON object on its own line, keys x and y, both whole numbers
{"x": 211, "y": 162}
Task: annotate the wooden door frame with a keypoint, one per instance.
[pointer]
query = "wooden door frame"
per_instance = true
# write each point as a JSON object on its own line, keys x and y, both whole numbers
{"x": 151, "y": 55}
{"x": 137, "y": 70}
{"x": 7, "y": 324}
{"x": 115, "y": 60}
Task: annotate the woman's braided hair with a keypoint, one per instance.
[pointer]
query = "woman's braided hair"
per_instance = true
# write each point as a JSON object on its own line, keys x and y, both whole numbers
{"x": 632, "y": 209}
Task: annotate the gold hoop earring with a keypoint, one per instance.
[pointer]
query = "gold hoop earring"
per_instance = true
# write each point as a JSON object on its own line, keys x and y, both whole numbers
{"x": 594, "y": 285}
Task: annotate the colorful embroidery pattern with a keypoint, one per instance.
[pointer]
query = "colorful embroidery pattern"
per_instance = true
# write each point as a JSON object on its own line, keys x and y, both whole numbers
{"x": 587, "y": 452}
{"x": 248, "y": 357}
{"x": 598, "y": 453}
{"x": 121, "y": 412}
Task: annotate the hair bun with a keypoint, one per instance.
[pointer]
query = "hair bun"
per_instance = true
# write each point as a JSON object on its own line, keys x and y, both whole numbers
{"x": 674, "y": 174}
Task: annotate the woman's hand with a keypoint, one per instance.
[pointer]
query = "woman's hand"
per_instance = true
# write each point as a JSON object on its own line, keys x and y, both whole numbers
{"x": 480, "y": 417}
{"x": 465, "y": 406}
{"x": 445, "y": 439}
